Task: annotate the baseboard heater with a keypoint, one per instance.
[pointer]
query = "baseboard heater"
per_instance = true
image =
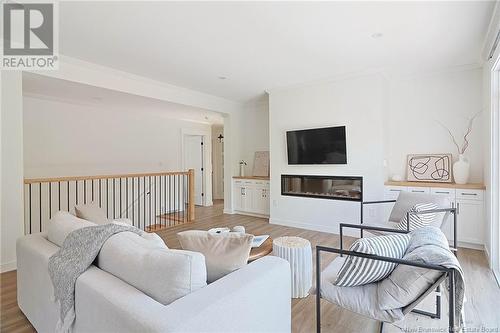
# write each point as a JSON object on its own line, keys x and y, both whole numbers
{"x": 323, "y": 187}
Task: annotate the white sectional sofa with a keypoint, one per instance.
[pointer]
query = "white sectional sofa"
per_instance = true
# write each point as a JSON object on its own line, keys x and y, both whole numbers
{"x": 255, "y": 298}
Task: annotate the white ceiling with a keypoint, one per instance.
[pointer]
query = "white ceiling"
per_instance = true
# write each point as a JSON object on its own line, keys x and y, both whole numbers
{"x": 266, "y": 45}
{"x": 35, "y": 85}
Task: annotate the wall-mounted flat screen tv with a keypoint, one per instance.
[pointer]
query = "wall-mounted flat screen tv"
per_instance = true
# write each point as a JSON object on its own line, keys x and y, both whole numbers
{"x": 317, "y": 146}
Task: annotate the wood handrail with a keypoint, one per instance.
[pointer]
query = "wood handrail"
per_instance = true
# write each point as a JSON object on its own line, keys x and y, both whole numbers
{"x": 76, "y": 178}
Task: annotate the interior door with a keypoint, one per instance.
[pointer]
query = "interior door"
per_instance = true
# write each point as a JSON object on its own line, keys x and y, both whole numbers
{"x": 193, "y": 159}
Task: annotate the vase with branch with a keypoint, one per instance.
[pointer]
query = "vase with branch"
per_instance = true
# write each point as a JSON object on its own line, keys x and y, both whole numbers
{"x": 461, "y": 167}
{"x": 242, "y": 168}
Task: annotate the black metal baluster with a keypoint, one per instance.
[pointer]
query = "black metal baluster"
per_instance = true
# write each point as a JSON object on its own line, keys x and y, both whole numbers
{"x": 50, "y": 200}
{"x": 100, "y": 191}
{"x": 107, "y": 197}
{"x": 133, "y": 201}
{"x": 120, "y": 183}
{"x": 76, "y": 184}
{"x": 67, "y": 193}
{"x": 184, "y": 198}
{"x": 154, "y": 218}
{"x": 161, "y": 221}
{"x": 59, "y": 194}
{"x": 126, "y": 195}
{"x": 176, "y": 189}
{"x": 84, "y": 191}
{"x": 169, "y": 197}
{"x": 114, "y": 198}
{"x": 40, "y": 205}
{"x": 30, "y": 206}
{"x": 92, "y": 189}
{"x": 120, "y": 197}
{"x": 138, "y": 203}
{"x": 144, "y": 187}
{"x": 150, "y": 196}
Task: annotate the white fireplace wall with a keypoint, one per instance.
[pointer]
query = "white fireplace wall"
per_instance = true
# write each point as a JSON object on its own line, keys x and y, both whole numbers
{"x": 358, "y": 104}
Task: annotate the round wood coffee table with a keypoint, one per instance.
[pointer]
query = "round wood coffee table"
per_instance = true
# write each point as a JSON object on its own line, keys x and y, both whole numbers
{"x": 261, "y": 251}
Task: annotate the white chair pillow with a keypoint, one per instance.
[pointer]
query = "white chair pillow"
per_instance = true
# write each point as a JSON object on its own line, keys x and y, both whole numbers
{"x": 224, "y": 253}
{"x": 162, "y": 274}
{"x": 357, "y": 271}
{"x": 61, "y": 224}
{"x": 419, "y": 220}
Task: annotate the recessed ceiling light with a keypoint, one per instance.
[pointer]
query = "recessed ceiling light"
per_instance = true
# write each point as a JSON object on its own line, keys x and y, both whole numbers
{"x": 221, "y": 77}
{"x": 377, "y": 35}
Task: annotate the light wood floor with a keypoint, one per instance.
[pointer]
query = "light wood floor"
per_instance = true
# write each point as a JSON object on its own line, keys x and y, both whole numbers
{"x": 483, "y": 295}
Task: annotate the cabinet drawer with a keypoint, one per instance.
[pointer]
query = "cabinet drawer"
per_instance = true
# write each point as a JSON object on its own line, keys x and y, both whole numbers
{"x": 392, "y": 192}
{"x": 419, "y": 190}
{"x": 447, "y": 192}
{"x": 262, "y": 182}
{"x": 463, "y": 194}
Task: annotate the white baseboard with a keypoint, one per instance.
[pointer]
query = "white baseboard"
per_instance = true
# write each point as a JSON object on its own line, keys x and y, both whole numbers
{"x": 228, "y": 211}
{"x": 251, "y": 214}
{"x": 9, "y": 266}
{"x": 322, "y": 228}
{"x": 470, "y": 245}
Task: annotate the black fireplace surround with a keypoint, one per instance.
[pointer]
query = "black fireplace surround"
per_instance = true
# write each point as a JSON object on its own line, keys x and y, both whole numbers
{"x": 324, "y": 187}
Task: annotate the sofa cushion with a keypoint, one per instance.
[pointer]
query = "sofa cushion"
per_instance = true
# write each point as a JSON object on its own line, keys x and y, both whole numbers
{"x": 359, "y": 299}
{"x": 357, "y": 271}
{"x": 224, "y": 253}
{"x": 162, "y": 274}
{"x": 61, "y": 224}
{"x": 92, "y": 212}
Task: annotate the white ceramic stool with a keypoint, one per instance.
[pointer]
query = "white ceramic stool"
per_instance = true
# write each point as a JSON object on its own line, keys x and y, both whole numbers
{"x": 297, "y": 251}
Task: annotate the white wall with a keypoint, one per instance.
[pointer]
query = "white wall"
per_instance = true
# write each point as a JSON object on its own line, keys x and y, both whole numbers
{"x": 64, "y": 139}
{"x": 358, "y": 104}
{"x": 217, "y": 162}
{"x": 386, "y": 118}
{"x": 418, "y": 103}
{"x": 11, "y": 208}
{"x": 254, "y": 131}
{"x": 245, "y": 132}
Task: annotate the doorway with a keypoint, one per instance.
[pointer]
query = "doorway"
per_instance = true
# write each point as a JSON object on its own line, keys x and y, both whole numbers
{"x": 193, "y": 159}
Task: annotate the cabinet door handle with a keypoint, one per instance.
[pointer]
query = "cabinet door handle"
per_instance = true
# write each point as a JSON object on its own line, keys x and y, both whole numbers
{"x": 418, "y": 191}
{"x": 458, "y": 208}
{"x": 442, "y": 192}
{"x": 469, "y": 193}
{"x": 242, "y": 191}
{"x": 394, "y": 190}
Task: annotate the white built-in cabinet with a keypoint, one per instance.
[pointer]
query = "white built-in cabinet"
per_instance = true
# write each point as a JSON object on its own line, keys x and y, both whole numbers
{"x": 251, "y": 196}
{"x": 470, "y": 207}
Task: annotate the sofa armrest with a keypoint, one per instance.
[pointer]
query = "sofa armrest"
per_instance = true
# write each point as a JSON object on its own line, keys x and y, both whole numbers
{"x": 255, "y": 298}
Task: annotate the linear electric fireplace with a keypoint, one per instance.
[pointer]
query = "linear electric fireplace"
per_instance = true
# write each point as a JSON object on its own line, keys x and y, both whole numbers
{"x": 324, "y": 187}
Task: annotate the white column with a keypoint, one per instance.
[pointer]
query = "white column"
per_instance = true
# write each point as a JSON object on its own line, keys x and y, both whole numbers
{"x": 11, "y": 181}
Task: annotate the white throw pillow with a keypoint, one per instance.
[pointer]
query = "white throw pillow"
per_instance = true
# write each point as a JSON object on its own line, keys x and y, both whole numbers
{"x": 61, "y": 224}
{"x": 92, "y": 212}
{"x": 419, "y": 220}
{"x": 162, "y": 274}
{"x": 224, "y": 253}
{"x": 357, "y": 271}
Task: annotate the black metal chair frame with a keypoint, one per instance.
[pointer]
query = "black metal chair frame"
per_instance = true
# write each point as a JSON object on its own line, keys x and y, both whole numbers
{"x": 448, "y": 273}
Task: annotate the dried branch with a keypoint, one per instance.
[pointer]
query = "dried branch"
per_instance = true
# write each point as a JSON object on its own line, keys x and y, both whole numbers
{"x": 451, "y": 135}
{"x": 469, "y": 130}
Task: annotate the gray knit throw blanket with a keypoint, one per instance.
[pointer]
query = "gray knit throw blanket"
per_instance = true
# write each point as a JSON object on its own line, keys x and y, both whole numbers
{"x": 78, "y": 252}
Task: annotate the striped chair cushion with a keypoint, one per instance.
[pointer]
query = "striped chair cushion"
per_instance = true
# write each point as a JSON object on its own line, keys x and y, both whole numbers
{"x": 358, "y": 271}
{"x": 419, "y": 220}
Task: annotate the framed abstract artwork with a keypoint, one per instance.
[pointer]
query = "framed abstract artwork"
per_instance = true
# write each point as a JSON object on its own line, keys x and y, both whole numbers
{"x": 429, "y": 168}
